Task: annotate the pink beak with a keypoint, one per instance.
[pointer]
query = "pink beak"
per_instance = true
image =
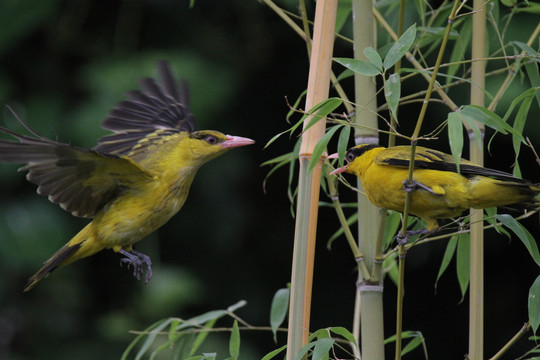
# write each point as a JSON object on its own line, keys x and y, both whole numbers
{"x": 236, "y": 141}
{"x": 339, "y": 170}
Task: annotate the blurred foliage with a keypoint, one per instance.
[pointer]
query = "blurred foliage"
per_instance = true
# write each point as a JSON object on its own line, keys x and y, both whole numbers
{"x": 64, "y": 66}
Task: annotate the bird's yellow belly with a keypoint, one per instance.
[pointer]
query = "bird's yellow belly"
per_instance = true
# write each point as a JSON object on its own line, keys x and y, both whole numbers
{"x": 447, "y": 198}
{"x": 132, "y": 217}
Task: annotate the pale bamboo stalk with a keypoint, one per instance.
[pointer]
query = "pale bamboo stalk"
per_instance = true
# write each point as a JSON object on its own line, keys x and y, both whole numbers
{"x": 309, "y": 182}
{"x": 368, "y": 312}
{"x": 476, "y": 285}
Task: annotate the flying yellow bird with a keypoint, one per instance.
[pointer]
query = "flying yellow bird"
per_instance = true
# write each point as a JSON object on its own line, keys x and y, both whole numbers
{"x": 438, "y": 190}
{"x": 132, "y": 182}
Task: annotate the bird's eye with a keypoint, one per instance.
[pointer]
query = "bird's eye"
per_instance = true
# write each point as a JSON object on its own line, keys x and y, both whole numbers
{"x": 350, "y": 157}
{"x": 210, "y": 139}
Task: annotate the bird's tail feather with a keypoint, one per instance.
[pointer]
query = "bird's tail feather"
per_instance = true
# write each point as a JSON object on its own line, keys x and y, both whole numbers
{"x": 62, "y": 255}
{"x": 81, "y": 245}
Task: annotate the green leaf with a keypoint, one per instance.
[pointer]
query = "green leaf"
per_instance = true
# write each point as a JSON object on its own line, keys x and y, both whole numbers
{"x": 341, "y": 331}
{"x": 209, "y": 356}
{"x": 391, "y": 268}
{"x": 523, "y": 234}
{"x": 321, "y": 111}
{"x": 320, "y": 147}
{"x": 416, "y": 341}
{"x": 392, "y": 93}
{"x": 151, "y": 336}
{"x": 199, "y": 340}
{"x": 343, "y": 143}
{"x": 234, "y": 342}
{"x": 447, "y": 257}
{"x": 273, "y": 353}
{"x": 361, "y": 67}
{"x": 534, "y": 304}
{"x": 278, "y": 309}
{"x": 489, "y": 118}
{"x": 400, "y": 47}
{"x": 519, "y": 125}
{"x": 393, "y": 220}
{"x": 373, "y": 56}
{"x": 460, "y": 46}
{"x": 463, "y": 262}
{"x": 304, "y": 350}
{"x": 455, "y": 136}
{"x": 322, "y": 348}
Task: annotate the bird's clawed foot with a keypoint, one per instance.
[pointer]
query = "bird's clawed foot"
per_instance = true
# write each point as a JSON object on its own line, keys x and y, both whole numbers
{"x": 404, "y": 239}
{"x": 413, "y": 185}
{"x": 137, "y": 259}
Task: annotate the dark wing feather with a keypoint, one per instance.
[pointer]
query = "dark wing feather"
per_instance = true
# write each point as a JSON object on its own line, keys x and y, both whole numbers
{"x": 81, "y": 181}
{"x": 157, "y": 106}
{"x": 435, "y": 160}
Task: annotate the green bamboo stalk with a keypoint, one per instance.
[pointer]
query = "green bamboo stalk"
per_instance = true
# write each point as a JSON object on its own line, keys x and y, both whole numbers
{"x": 369, "y": 300}
{"x": 309, "y": 182}
{"x": 476, "y": 299}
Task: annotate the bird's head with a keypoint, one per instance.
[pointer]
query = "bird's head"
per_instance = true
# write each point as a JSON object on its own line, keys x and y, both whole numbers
{"x": 206, "y": 145}
{"x": 356, "y": 162}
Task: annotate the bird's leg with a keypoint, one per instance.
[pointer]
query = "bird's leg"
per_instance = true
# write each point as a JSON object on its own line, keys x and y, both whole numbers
{"x": 137, "y": 259}
{"x": 413, "y": 185}
{"x": 403, "y": 239}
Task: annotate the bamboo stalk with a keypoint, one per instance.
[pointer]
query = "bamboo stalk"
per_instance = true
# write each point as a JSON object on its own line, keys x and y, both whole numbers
{"x": 309, "y": 182}
{"x": 369, "y": 296}
{"x": 476, "y": 300}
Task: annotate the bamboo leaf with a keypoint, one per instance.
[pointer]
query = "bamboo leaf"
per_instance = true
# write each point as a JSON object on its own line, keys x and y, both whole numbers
{"x": 199, "y": 340}
{"x": 361, "y": 67}
{"x": 390, "y": 267}
{"x": 278, "y": 309}
{"x": 209, "y": 356}
{"x": 416, "y": 341}
{"x": 343, "y": 143}
{"x": 531, "y": 8}
{"x": 273, "y": 353}
{"x": 455, "y": 136}
{"x": 447, "y": 257}
{"x": 373, "y": 56}
{"x": 322, "y": 348}
{"x": 304, "y": 350}
{"x": 234, "y": 342}
{"x": 321, "y": 111}
{"x": 519, "y": 125}
{"x": 534, "y": 304}
{"x": 400, "y": 47}
{"x": 393, "y": 220}
{"x": 320, "y": 147}
{"x": 489, "y": 118}
{"x": 490, "y": 218}
{"x": 462, "y": 43}
{"x": 150, "y": 337}
{"x": 463, "y": 262}
{"x": 341, "y": 331}
{"x": 523, "y": 234}
{"x": 392, "y": 93}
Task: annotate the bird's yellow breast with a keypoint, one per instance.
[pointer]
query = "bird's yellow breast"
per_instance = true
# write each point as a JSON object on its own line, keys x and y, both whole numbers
{"x": 138, "y": 213}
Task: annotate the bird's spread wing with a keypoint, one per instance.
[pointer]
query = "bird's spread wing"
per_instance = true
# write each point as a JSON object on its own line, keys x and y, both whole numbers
{"x": 435, "y": 160}
{"x": 157, "y": 106}
{"x": 81, "y": 181}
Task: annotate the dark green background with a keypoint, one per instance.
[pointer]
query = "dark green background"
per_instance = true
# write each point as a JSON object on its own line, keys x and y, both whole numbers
{"x": 64, "y": 64}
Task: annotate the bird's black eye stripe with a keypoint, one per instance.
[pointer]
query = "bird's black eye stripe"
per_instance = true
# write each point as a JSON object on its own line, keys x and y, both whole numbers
{"x": 209, "y": 138}
{"x": 355, "y": 152}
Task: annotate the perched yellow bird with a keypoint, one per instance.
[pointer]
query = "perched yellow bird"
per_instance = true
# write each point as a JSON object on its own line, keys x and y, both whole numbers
{"x": 132, "y": 182}
{"x": 438, "y": 190}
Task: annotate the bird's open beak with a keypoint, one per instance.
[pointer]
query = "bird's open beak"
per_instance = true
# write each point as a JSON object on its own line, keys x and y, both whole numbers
{"x": 338, "y": 170}
{"x": 236, "y": 141}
